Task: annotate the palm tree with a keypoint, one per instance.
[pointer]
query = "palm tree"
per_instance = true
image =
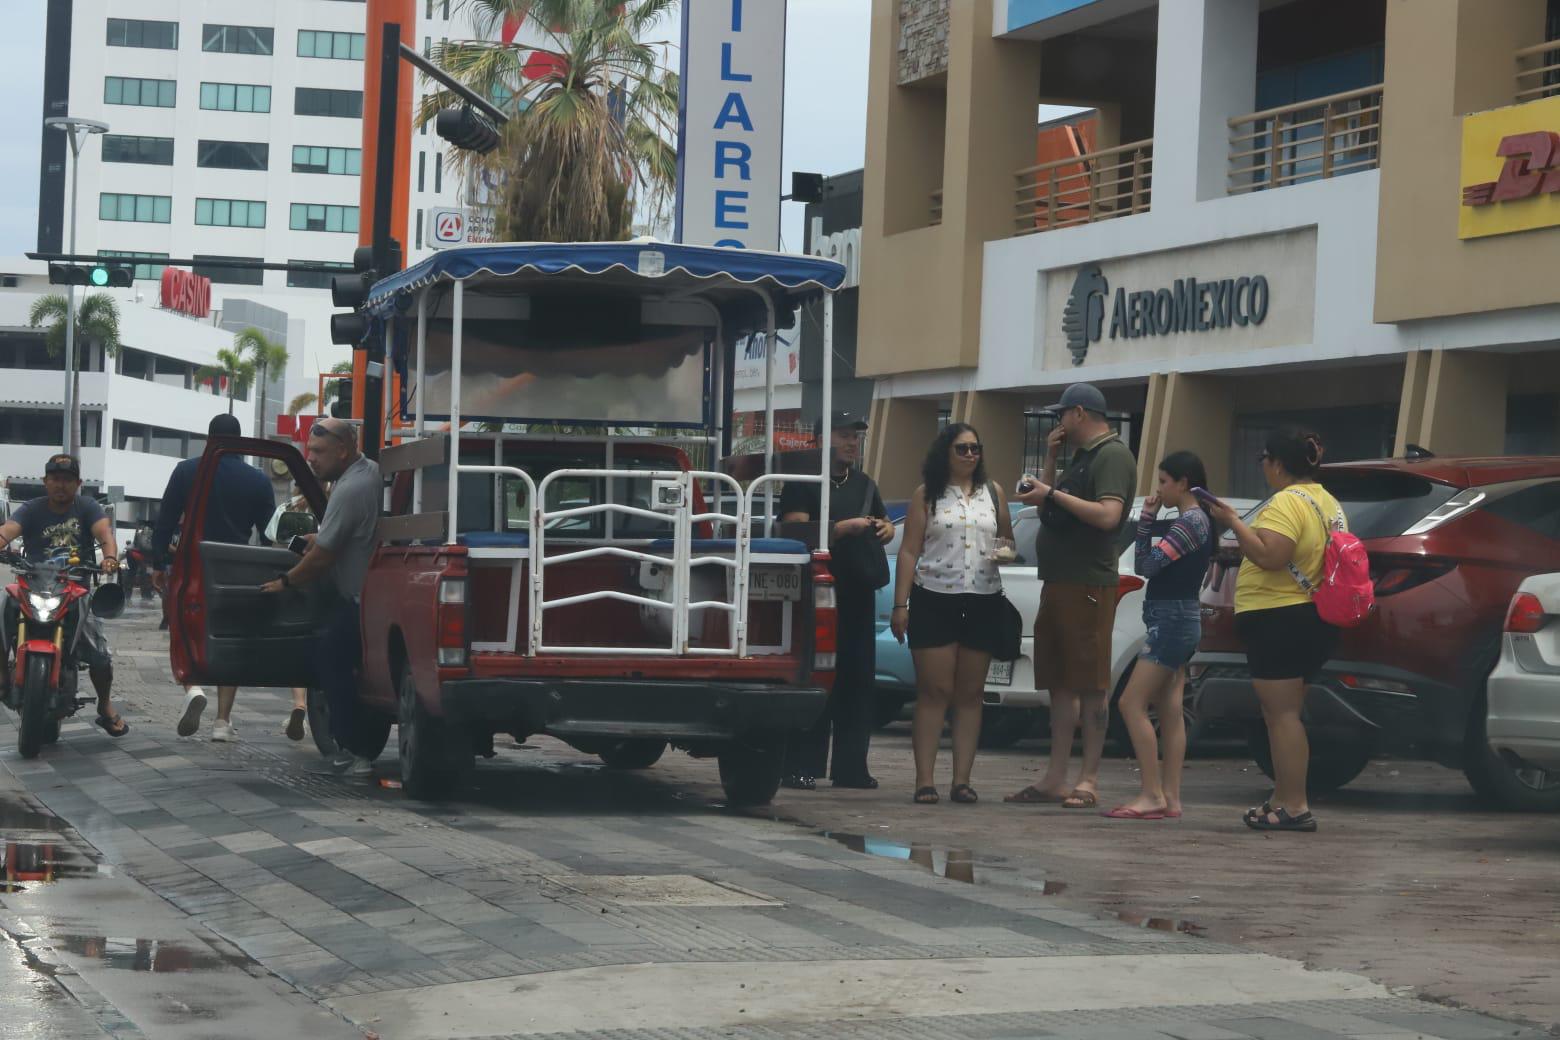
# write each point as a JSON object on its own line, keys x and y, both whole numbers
{"x": 233, "y": 367}
{"x": 97, "y": 321}
{"x": 299, "y": 403}
{"x": 592, "y": 115}
{"x": 265, "y": 355}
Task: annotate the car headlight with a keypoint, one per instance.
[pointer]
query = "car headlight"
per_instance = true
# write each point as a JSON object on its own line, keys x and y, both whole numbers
{"x": 43, "y": 607}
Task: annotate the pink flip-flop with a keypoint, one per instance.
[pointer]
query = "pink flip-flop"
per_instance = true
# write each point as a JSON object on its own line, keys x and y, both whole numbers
{"x": 1122, "y": 812}
{"x": 1172, "y": 814}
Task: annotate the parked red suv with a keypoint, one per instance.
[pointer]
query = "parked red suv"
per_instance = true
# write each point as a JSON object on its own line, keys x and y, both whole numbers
{"x": 1449, "y": 540}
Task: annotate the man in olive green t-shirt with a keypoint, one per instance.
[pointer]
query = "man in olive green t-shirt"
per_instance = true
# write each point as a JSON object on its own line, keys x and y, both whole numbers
{"x": 1080, "y": 517}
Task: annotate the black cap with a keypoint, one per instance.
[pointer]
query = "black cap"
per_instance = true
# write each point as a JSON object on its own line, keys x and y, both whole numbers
{"x": 1080, "y": 395}
{"x": 844, "y": 421}
{"x": 62, "y": 463}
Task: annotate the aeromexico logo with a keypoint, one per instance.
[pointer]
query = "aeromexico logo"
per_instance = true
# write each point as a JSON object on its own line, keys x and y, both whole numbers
{"x": 1190, "y": 305}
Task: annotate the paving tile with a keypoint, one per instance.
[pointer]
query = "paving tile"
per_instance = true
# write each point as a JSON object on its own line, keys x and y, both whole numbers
{"x": 249, "y": 841}
{"x": 1447, "y": 1025}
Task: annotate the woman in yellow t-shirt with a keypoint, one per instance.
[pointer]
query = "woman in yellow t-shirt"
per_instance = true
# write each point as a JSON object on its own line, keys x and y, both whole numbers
{"x": 1286, "y": 641}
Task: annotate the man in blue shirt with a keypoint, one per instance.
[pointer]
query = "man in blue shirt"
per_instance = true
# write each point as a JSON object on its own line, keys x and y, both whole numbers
{"x": 240, "y": 503}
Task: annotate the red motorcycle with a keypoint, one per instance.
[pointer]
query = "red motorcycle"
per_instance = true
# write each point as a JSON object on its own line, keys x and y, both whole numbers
{"x": 43, "y": 610}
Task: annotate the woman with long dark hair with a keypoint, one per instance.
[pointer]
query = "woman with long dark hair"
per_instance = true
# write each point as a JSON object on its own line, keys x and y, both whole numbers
{"x": 948, "y": 600}
{"x": 1286, "y": 640}
{"x": 1174, "y": 566}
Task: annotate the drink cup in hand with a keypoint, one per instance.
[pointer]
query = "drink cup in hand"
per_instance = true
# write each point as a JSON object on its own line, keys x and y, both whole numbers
{"x": 1003, "y": 551}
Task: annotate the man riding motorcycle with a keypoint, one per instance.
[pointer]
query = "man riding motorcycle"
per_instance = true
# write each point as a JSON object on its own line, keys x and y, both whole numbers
{"x": 65, "y": 521}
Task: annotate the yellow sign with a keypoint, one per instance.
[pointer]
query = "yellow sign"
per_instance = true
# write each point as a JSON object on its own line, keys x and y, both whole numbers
{"x": 1510, "y": 170}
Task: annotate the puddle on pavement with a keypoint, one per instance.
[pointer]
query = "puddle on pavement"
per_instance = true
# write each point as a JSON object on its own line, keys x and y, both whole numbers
{"x": 1053, "y": 888}
{"x": 34, "y": 851}
{"x": 150, "y": 955}
{"x": 1162, "y": 924}
{"x": 953, "y": 864}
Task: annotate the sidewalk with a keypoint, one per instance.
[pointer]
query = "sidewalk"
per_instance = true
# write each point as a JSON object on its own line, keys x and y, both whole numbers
{"x": 558, "y": 898}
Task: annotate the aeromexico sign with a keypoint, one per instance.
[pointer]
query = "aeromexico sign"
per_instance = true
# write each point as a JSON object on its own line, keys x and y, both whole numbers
{"x": 1187, "y": 305}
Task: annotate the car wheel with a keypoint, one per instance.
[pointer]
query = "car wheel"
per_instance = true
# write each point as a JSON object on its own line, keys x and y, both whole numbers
{"x": 431, "y": 763}
{"x": 1004, "y": 727}
{"x": 1505, "y": 784}
{"x": 750, "y": 771}
{"x": 318, "y": 710}
{"x": 1332, "y": 765}
{"x": 632, "y": 754}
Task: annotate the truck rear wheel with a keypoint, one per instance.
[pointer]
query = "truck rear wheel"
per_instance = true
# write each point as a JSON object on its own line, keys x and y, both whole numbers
{"x": 750, "y": 771}
{"x": 632, "y": 754}
{"x": 432, "y": 763}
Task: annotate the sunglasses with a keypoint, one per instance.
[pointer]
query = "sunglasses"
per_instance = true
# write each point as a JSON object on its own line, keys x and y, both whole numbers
{"x": 967, "y": 449}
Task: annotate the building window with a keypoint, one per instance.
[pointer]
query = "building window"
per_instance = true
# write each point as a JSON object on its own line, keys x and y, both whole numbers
{"x": 145, "y": 209}
{"x": 18, "y": 426}
{"x": 229, "y": 213}
{"x": 419, "y": 228}
{"x": 143, "y": 272}
{"x": 422, "y": 170}
{"x": 133, "y": 32}
{"x": 235, "y": 97}
{"x": 438, "y": 173}
{"x": 315, "y": 101}
{"x": 237, "y": 39}
{"x": 314, "y": 43}
{"x": 446, "y": 12}
{"x": 320, "y": 159}
{"x": 123, "y": 148}
{"x": 310, "y": 217}
{"x": 424, "y": 128}
{"x": 230, "y": 275}
{"x": 233, "y": 155}
{"x": 315, "y": 279}
{"x": 155, "y": 93}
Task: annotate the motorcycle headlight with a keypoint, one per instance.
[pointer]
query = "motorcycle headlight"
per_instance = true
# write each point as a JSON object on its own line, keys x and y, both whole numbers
{"x": 44, "y": 607}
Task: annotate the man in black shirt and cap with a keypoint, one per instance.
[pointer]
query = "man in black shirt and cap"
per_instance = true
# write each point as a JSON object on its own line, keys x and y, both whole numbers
{"x": 859, "y": 530}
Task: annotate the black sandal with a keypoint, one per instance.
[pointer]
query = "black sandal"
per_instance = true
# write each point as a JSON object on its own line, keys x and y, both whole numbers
{"x": 114, "y": 725}
{"x": 926, "y": 796}
{"x": 1303, "y": 822}
{"x": 1256, "y": 813}
{"x": 964, "y": 794}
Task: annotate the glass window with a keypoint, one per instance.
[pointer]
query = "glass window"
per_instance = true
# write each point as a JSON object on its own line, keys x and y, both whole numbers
{"x": 316, "y": 101}
{"x": 230, "y": 275}
{"x": 151, "y": 209}
{"x": 237, "y": 39}
{"x": 319, "y": 159}
{"x": 315, "y": 279}
{"x": 154, "y": 93}
{"x": 171, "y": 372}
{"x": 133, "y": 32}
{"x": 143, "y": 272}
{"x": 1384, "y": 504}
{"x": 235, "y": 97}
{"x": 123, "y": 148}
{"x": 135, "y": 364}
{"x": 233, "y": 155}
{"x": 130, "y": 436}
{"x": 239, "y": 213}
{"x": 1537, "y": 508}
{"x": 320, "y": 44}
{"x": 438, "y": 172}
{"x": 315, "y": 217}
{"x": 167, "y": 442}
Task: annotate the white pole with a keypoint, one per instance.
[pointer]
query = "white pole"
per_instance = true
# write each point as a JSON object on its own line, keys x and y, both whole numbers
{"x": 769, "y": 417}
{"x": 825, "y": 448}
{"x": 72, "y": 427}
{"x": 457, "y": 314}
{"x": 422, "y": 353}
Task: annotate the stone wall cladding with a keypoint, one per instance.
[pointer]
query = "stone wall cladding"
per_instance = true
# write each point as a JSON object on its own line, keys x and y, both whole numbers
{"x": 923, "y": 39}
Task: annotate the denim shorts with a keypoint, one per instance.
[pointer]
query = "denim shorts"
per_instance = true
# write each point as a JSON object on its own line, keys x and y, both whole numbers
{"x": 1174, "y": 630}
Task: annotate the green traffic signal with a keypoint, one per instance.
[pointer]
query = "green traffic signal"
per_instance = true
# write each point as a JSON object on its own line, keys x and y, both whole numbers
{"x": 100, "y": 276}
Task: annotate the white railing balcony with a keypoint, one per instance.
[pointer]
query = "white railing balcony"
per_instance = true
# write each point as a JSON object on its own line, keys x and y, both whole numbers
{"x": 1538, "y": 71}
{"x": 1310, "y": 140}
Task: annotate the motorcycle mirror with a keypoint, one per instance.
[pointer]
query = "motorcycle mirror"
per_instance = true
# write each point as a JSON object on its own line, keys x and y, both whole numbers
{"x": 108, "y": 602}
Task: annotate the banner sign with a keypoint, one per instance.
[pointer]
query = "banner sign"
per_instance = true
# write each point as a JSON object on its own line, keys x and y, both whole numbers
{"x": 1510, "y": 169}
{"x": 459, "y": 227}
{"x": 752, "y": 354}
{"x": 186, "y": 292}
{"x": 732, "y": 115}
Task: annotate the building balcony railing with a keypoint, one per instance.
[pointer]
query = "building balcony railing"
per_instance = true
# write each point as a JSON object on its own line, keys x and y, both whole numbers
{"x": 1082, "y": 189}
{"x": 1310, "y": 140}
{"x": 1538, "y": 71}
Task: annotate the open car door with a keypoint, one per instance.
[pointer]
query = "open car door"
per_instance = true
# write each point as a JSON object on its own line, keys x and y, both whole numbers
{"x": 224, "y": 631}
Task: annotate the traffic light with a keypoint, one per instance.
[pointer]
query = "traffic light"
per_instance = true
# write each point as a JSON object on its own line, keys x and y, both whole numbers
{"x": 351, "y": 290}
{"x": 341, "y": 407}
{"x": 106, "y": 275}
{"x": 467, "y": 128}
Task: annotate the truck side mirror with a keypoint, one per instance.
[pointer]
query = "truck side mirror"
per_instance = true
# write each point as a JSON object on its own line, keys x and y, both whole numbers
{"x": 291, "y": 525}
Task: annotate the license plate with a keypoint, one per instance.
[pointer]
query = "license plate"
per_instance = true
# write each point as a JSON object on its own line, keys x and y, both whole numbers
{"x": 784, "y": 583}
{"x": 1000, "y": 673}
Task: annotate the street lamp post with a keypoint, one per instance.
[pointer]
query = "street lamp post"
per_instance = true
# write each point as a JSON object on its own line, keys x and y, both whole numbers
{"x": 77, "y": 130}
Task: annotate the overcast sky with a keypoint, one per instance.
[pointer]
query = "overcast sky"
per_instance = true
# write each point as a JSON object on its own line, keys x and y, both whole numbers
{"x": 825, "y": 106}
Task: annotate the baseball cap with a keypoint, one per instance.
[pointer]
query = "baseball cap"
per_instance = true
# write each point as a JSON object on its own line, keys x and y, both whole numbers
{"x": 62, "y": 464}
{"x": 844, "y": 421}
{"x": 1080, "y": 395}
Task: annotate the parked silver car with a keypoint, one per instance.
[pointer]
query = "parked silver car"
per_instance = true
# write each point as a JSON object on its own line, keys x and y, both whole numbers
{"x": 1523, "y": 725}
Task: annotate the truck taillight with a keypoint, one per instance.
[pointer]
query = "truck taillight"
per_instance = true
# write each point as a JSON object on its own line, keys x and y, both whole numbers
{"x": 825, "y": 616}
{"x": 451, "y": 641}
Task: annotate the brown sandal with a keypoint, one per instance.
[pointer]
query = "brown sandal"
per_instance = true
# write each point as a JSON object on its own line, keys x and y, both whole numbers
{"x": 1081, "y": 799}
{"x": 1034, "y": 796}
{"x": 926, "y": 796}
{"x": 964, "y": 794}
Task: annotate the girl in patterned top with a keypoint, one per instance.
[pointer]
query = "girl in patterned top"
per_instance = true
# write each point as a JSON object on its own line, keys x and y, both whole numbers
{"x": 1174, "y": 566}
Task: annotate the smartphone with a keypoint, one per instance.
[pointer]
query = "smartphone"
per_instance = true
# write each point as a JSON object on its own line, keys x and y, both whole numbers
{"x": 1025, "y": 486}
{"x": 299, "y": 545}
{"x": 1206, "y": 497}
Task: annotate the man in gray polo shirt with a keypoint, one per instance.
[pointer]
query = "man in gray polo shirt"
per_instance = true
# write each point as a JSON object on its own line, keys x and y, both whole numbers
{"x": 341, "y": 552}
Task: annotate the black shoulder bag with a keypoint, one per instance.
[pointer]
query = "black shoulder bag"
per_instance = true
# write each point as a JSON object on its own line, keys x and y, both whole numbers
{"x": 1010, "y": 623}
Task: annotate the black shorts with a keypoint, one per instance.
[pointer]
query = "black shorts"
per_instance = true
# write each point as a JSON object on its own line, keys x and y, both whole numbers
{"x": 1286, "y": 642}
{"x": 945, "y": 618}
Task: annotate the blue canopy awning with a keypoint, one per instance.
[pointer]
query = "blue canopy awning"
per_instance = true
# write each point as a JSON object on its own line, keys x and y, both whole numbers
{"x": 735, "y": 280}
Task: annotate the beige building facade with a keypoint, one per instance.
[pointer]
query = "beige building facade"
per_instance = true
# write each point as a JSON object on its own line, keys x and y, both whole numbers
{"x": 1330, "y": 212}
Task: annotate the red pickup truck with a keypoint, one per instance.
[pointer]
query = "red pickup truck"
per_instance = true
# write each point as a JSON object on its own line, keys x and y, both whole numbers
{"x": 595, "y": 586}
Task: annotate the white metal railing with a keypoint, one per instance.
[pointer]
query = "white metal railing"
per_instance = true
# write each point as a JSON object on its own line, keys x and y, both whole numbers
{"x": 1538, "y": 71}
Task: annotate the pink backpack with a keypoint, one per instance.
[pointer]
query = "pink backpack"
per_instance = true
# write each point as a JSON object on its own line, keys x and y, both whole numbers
{"x": 1345, "y": 595}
